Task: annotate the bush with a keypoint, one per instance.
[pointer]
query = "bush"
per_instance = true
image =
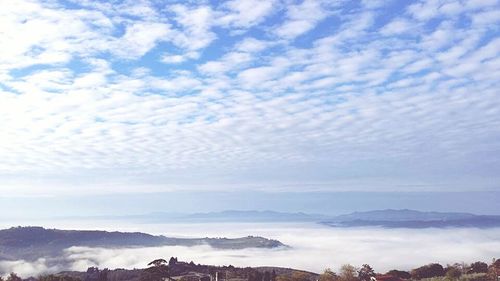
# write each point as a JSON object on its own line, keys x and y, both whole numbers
{"x": 474, "y": 277}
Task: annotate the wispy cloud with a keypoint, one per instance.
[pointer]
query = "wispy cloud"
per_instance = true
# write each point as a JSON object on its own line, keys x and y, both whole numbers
{"x": 214, "y": 93}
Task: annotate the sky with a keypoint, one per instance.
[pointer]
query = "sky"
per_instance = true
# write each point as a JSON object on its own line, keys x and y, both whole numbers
{"x": 101, "y": 98}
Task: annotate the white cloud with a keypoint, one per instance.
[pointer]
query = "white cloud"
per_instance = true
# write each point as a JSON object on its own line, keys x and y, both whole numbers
{"x": 252, "y": 45}
{"x": 317, "y": 246}
{"x": 424, "y": 10}
{"x": 301, "y": 18}
{"x": 196, "y": 23}
{"x": 140, "y": 38}
{"x": 254, "y": 77}
{"x": 475, "y": 4}
{"x": 27, "y": 268}
{"x": 157, "y": 91}
{"x": 397, "y": 26}
{"x": 246, "y": 13}
{"x": 489, "y": 18}
{"x": 169, "y": 58}
{"x": 230, "y": 62}
{"x": 33, "y": 34}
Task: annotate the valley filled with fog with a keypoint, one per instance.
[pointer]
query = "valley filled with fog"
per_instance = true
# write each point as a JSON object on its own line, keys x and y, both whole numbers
{"x": 313, "y": 247}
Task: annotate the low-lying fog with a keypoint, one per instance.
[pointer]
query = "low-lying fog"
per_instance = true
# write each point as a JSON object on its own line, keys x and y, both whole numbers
{"x": 313, "y": 247}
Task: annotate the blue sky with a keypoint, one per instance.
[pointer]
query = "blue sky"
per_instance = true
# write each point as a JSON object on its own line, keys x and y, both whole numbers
{"x": 100, "y": 98}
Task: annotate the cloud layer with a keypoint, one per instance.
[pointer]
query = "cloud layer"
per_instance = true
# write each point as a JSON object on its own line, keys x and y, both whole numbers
{"x": 321, "y": 91}
{"x": 314, "y": 248}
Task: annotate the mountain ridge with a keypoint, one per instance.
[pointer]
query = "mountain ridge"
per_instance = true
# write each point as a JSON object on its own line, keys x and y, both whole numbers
{"x": 405, "y": 218}
{"x": 385, "y": 217}
{"x": 33, "y": 242}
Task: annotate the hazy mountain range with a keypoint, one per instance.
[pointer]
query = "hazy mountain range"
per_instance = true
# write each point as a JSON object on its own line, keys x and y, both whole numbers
{"x": 391, "y": 218}
{"x": 222, "y": 216}
{"x": 412, "y": 219}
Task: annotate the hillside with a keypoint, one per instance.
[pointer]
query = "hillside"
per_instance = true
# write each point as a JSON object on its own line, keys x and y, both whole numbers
{"x": 179, "y": 270}
{"x": 31, "y": 243}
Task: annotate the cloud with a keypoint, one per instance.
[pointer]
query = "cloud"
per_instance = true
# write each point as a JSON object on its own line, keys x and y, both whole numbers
{"x": 168, "y": 58}
{"x": 246, "y": 13}
{"x": 252, "y": 45}
{"x": 195, "y": 93}
{"x": 196, "y": 23}
{"x": 301, "y": 18}
{"x": 139, "y": 38}
{"x": 318, "y": 248}
{"x": 396, "y": 27}
{"x": 424, "y": 10}
{"x": 35, "y": 34}
{"x": 26, "y": 268}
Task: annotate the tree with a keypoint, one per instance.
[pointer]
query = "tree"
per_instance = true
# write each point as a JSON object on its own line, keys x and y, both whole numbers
{"x": 328, "y": 275}
{"x": 173, "y": 261}
{"x": 348, "y": 273}
{"x": 428, "y": 271}
{"x": 157, "y": 263}
{"x": 365, "y": 272}
{"x": 399, "y": 274}
{"x": 478, "y": 267}
{"x": 494, "y": 270}
{"x": 157, "y": 271}
{"x": 94, "y": 274}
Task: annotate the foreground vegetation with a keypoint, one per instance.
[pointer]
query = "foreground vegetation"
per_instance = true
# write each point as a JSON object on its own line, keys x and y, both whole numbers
{"x": 173, "y": 270}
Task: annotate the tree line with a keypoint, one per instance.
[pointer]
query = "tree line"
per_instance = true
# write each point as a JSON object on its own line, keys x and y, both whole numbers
{"x": 160, "y": 270}
{"x": 476, "y": 271}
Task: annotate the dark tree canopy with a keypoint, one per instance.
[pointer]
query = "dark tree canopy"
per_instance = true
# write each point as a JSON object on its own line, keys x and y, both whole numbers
{"x": 157, "y": 271}
{"x": 478, "y": 267}
{"x": 399, "y": 274}
{"x": 157, "y": 262}
{"x": 365, "y": 272}
{"x": 428, "y": 271}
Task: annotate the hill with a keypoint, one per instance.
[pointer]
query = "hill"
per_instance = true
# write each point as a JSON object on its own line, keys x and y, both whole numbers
{"x": 30, "y": 243}
{"x": 183, "y": 271}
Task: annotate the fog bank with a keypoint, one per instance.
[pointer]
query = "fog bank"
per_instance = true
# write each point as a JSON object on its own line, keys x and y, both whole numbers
{"x": 313, "y": 247}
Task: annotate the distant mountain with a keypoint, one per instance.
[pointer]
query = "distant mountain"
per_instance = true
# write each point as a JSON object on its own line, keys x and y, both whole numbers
{"x": 254, "y": 216}
{"x": 31, "y": 243}
{"x": 402, "y": 215}
{"x": 223, "y": 216}
{"x": 386, "y": 218}
{"x": 412, "y": 219}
